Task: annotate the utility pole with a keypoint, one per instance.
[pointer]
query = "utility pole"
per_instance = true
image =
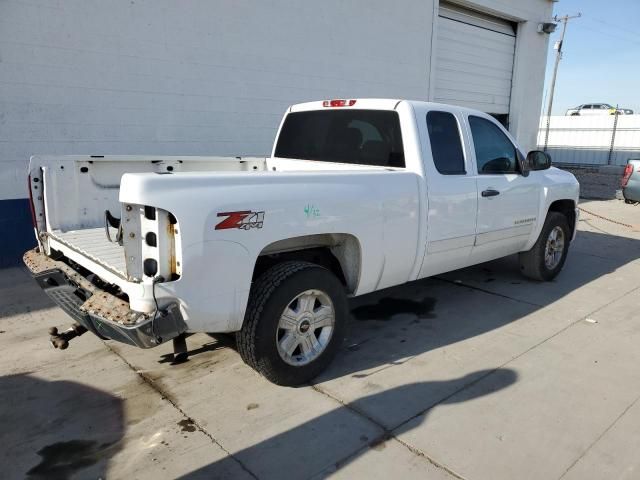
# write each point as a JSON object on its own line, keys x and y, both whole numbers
{"x": 558, "y": 47}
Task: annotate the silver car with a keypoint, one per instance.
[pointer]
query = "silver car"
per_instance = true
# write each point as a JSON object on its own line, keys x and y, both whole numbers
{"x": 631, "y": 181}
{"x": 598, "y": 109}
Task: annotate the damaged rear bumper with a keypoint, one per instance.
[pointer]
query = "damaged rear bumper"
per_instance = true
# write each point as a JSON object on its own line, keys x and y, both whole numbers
{"x": 100, "y": 312}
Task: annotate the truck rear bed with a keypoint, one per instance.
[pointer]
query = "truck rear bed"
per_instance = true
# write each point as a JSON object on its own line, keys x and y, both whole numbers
{"x": 70, "y": 195}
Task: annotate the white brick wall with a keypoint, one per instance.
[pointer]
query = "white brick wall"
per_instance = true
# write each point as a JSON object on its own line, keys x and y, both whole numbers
{"x": 198, "y": 77}
{"x": 189, "y": 77}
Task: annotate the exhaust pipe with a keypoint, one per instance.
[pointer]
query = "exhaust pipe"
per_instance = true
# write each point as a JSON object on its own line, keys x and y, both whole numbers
{"x": 61, "y": 340}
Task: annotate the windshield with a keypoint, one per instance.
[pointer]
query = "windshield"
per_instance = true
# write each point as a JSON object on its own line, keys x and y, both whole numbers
{"x": 363, "y": 137}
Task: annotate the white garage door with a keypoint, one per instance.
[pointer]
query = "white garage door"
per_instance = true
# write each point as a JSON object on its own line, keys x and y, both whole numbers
{"x": 474, "y": 60}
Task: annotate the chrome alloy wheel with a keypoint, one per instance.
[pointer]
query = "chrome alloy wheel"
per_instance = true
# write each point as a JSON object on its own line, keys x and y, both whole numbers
{"x": 554, "y": 249}
{"x": 305, "y": 327}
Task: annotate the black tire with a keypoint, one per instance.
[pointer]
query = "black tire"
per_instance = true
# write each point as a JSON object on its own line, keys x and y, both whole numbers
{"x": 270, "y": 294}
{"x": 532, "y": 263}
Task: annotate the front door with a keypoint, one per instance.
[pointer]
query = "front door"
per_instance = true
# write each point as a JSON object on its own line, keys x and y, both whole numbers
{"x": 507, "y": 200}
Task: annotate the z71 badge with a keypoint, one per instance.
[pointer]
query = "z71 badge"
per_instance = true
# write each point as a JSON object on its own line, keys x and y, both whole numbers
{"x": 245, "y": 220}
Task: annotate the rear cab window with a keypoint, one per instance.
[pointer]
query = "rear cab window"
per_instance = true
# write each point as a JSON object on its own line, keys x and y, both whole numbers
{"x": 362, "y": 137}
{"x": 446, "y": 146}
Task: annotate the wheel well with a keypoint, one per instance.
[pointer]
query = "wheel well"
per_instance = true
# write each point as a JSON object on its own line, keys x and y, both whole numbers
{"x": 567, "y": 208}
{"x": 339, "y": 253}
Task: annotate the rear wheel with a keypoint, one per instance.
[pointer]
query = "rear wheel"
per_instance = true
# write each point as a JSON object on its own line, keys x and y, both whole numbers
{"x": 294, "y": 324}
{"x": 547, "y": 256}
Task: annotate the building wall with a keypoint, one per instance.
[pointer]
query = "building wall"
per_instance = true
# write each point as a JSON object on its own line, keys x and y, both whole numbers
{"x": 208, "y": 77}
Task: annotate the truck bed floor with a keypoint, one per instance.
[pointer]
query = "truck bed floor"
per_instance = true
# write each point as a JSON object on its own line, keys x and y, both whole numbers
{"x": 93, "y": 243}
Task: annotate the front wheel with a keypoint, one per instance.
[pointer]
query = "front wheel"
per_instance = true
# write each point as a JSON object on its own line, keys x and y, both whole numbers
{"x": 294, "y": 323}
{"x": 547, "y": 256}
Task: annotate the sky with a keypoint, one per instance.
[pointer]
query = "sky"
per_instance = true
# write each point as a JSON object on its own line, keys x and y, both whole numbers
{"x": 601, "y": 55}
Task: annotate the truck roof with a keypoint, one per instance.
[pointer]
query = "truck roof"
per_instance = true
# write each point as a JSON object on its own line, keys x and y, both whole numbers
{"x": 368, "y": 103}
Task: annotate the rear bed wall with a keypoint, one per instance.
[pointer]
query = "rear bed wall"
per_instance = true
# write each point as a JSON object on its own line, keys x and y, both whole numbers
{"x": 78, "y": 189}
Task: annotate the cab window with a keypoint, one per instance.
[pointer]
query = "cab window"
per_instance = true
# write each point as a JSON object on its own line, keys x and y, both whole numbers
{"x": 363, "y": 137}
{"x": 446, "y": 147}
{"x": 494, "y": 151}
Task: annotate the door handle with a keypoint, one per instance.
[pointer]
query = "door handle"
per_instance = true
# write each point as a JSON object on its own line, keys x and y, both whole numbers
{"x": 490, "y": 193}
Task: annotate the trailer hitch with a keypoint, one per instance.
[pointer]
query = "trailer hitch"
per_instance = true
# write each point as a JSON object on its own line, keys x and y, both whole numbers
{"x": 61, "y": 340}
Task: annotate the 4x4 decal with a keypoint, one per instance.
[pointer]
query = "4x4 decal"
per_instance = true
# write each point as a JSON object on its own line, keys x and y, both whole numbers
{"x": 244, "y": 220}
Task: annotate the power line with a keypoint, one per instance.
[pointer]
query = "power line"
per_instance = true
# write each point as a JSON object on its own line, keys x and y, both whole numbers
{"x": 612, "y": 35}
{"x": 613, "y": 25}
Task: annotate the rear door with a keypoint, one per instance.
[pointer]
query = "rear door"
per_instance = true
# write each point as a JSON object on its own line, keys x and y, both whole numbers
{"x": 508, "y": 202}
{"x": 596, "y": 109}
{"x": 605, "y": 109}
{"x": 451, "y": 186}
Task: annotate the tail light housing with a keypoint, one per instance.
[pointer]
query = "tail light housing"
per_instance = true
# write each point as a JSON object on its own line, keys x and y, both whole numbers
{"x": 35, "y": 187}
{"x": 152, "y": 245}
{"x": 628, "y": 170}
{"x": 31, "y": 206}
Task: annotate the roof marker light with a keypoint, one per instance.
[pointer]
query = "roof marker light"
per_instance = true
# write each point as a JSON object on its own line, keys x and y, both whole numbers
{"x": 338, "y": 103}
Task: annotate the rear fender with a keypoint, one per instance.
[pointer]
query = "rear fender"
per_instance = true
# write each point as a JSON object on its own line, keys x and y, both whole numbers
{"x": 214, "y": 287}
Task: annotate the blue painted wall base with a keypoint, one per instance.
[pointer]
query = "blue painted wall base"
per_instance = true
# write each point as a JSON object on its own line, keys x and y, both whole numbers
{"x": 16, "y": 231}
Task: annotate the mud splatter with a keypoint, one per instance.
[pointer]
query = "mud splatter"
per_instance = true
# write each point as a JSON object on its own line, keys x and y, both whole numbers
{"x": 187, "y": 425}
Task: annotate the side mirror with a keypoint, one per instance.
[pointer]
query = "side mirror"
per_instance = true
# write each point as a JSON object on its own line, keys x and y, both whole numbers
{"x": 538, "y": 160}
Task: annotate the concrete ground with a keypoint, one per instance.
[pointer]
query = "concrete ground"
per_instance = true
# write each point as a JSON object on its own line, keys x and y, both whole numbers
{"x": 477, "y": 374}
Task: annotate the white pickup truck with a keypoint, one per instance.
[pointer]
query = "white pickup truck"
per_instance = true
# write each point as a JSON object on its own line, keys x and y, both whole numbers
{"x": 357, "y": 195}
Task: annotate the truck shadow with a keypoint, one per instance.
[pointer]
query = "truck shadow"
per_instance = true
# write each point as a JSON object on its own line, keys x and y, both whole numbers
{"x": 71, "y": 428}
{"x": 303, "y": 452}
{"x": 19, "y": 293}
{"x": 391, "y": 326}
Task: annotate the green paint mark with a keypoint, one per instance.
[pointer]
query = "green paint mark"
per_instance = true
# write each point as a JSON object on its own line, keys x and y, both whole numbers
{"x": 311, "y": 211}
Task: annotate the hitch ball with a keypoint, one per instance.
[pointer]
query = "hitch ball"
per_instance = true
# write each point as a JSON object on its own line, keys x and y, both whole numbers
{"x": 61, "y": 340}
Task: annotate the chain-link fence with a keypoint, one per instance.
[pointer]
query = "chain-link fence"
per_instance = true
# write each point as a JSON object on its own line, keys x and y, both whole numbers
{"x": 591, "y": 140}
